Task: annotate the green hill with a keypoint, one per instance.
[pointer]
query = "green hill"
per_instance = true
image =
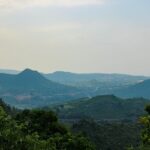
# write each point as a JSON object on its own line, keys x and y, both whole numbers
{"x": 38, "y": 130}
{"x": 107, "y": 107}
{"x": 110, "y": 135}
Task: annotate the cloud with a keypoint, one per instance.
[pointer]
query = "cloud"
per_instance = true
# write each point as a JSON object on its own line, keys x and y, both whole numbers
{"x": 19, "y": 4}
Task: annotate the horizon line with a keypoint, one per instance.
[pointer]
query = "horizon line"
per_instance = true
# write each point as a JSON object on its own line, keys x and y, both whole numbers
{"x": 2, "y": 70}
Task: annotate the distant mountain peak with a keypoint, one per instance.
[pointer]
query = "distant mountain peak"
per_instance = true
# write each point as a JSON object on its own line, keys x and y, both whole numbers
{"x": 63, "y": 73}
{"x": 28, "y": 73}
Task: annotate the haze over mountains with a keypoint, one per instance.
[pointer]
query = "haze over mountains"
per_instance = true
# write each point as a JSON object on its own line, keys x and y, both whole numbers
{"x": 138, "y": 90}
{"x": 98, "y": 83}
{"x": 9, "y": 71}
{"x": 33, "y": 89}
{"x": 74, "y": 78}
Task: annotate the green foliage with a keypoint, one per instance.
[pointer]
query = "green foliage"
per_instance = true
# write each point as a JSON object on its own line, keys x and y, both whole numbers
{"x": 107, "y": 107}
{"x": 146, "y": 132}
{"x": 148, "y": 109}
{"x": 38, "y": 130}
{"x": 110, "y": 136}
{"x": 37, "y": 120}
{"x": 145, "y": 136}
{"x": 9, "y": 110}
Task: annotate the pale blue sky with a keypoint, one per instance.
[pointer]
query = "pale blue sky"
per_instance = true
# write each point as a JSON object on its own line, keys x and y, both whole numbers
{"x": 79, "y": 36}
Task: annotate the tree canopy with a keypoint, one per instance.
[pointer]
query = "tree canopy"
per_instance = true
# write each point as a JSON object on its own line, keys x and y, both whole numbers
{"x": 38, "y": 130}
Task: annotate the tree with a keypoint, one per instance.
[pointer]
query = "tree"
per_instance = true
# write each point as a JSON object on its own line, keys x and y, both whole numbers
{"x": 45, "y": 123}
{"x": 146, "y": 131}
{"x": 38, "y": 130}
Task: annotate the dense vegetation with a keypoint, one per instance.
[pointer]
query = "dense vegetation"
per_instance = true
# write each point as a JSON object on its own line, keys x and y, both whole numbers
{"x": 117, "y": 136}
{"x": 107, "y": 107}
{"x": 12, "y": 111}
{"x": 146, "y": 131}
{"x": 110, "y": 135}
{"x": 38, "y": 130}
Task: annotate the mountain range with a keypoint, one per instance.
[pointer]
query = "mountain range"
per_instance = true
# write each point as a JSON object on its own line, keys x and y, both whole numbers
{"x": 30, "y": 88}
{"x": 77, "y": 79}
{"x": 96, "y": 83}
{"x": 122, "y": 85}
{"x": 138, "y": 90}
{"x": 33, "y": 89}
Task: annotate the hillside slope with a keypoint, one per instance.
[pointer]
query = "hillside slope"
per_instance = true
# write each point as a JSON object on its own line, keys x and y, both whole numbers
{"x": 138, "y": 90}
{"x": 30, "y": 88}
{"x": 96, "y": 83}
{"x": 107, "y": 107}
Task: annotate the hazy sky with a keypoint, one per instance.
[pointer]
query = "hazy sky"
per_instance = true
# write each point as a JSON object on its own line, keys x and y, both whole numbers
{"x": 76, "y": 35}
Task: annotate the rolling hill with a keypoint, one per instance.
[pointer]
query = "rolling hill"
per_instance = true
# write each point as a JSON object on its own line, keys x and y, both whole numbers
{"x": 141, "y": 89}
{"x": 29, "y": 88}
{"x": 95, "y": 83}
{"x": 73, "y": 78}
{"x": 106, "y": 107}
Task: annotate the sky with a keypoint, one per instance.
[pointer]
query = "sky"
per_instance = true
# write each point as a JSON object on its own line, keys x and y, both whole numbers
{"x": 105, "y": 36}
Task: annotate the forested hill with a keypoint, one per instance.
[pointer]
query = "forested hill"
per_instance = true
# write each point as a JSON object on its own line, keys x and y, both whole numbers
{"x": 37, "y": 130}
{"x": 107, "y": 107}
